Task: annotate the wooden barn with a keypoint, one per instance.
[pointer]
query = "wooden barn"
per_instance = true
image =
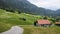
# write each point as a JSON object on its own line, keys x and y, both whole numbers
{"x": 42, "y": 23}
{"x": 57, "y": 23}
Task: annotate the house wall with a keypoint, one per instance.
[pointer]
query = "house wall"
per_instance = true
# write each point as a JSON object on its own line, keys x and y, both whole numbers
{"x": 45, "y": 25}
{"x": 57, "y": 24}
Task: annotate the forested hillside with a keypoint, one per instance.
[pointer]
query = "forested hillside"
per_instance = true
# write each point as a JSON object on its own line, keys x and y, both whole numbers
{"x": 26, "y": 7}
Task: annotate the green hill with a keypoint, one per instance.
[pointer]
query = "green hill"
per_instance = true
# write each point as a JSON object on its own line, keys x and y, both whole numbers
{"x": 17, "y": 19}
{"x": 9, "y": 19}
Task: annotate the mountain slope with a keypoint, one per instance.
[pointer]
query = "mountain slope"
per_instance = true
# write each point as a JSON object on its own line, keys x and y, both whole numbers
{"x": 26, "y": 6}
{"x": 17, "y": 19}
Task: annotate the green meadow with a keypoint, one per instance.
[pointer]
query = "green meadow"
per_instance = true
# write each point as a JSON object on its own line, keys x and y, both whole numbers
{"x": 41, "y": 30}
{"x": 9, "y": 19}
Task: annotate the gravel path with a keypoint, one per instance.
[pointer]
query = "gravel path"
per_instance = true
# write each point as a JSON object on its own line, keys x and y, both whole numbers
{"x": 14, "y": 30}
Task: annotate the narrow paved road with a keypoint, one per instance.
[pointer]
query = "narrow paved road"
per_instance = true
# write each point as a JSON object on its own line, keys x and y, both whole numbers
{"x": 14, "y": 30}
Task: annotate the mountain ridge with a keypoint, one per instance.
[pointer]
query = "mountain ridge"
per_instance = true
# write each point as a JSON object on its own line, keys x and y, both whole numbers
{"x": 26, "y": 7}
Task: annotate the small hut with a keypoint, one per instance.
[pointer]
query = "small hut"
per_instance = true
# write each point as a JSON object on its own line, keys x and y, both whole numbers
{"x": 43, "y": 23}
{"x": 57, "y": 23}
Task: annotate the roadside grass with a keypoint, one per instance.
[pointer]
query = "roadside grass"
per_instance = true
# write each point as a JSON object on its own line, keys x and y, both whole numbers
{"x": 41, "y": 30}
{"x": 30, "y": 29}
{"x": 4, "y": 27}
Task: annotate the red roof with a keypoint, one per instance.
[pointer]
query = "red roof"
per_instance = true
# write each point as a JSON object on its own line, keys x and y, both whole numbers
{"x": 44, "y": 22}
{"x": 57, "y": 22}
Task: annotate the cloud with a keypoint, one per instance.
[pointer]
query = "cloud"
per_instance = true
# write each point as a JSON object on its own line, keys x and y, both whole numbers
{"x": 49, "y": 4}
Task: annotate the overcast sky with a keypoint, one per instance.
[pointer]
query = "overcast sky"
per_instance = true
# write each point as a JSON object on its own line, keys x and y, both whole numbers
{"x": 49, "y": 4}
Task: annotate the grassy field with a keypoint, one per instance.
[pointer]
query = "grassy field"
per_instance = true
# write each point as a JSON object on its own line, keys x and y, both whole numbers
{"x": 4, "y": 27}
{"x": 30, "y": 29}
{"x": 8, "y": 19}
{"x": 15, "y": 19}
{"x": 41, "y": 30}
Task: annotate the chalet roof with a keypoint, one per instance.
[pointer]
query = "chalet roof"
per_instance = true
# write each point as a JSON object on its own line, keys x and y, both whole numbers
{"x": 57, "y": 23}
{"x": 44, "y": 22}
